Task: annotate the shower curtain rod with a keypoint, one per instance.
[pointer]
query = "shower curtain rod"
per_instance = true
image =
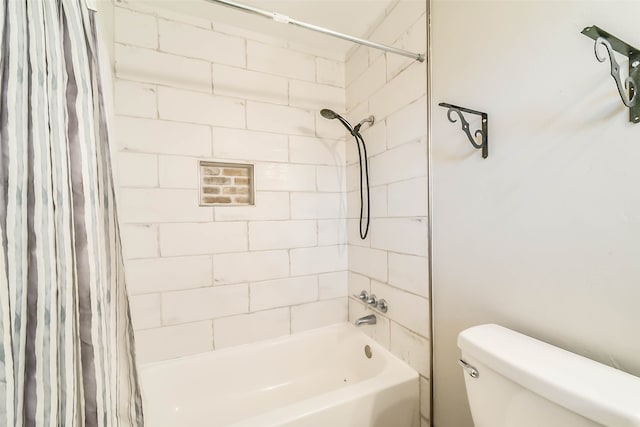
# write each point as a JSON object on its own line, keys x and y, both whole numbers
{"x": 284, "y": 19}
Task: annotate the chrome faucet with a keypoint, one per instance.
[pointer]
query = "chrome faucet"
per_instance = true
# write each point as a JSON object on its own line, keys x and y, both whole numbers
{"x": 366, "y": 320}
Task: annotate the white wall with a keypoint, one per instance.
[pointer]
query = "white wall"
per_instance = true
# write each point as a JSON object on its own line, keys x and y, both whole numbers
{"x": 542, "y": 236}
{"x": 203, "y": 278}
{"x": 392, "y": 262}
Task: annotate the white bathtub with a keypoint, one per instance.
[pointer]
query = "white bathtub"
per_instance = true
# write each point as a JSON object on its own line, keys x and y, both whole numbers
{"x": 320, "y": 378}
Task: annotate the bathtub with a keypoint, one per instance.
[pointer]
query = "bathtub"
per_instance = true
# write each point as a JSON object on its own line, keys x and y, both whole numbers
{"x": 319, "y": 378}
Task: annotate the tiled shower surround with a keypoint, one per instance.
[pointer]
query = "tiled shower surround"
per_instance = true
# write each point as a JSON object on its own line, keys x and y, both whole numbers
{"x": 205, "y": 278}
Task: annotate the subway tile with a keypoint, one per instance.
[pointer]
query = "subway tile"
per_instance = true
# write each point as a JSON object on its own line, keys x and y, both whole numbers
{"x": 135, "y": 99}
{"x": 280, "y": 61}
{"x": 375, "y": 138}
{"x": 158, "y": 136}
{"x": 145, "y": 311}
{"x": 284, "y": 177}
{"x": 250, "y": 266}
{"x": 379, "y": 332}
{"x": 331, "y": 178}
{"x": 187, "y": 40}
{"x": 137, "y": 170}
{"x": 161, "y": 205}
{"x": 279, "y": 119}
{"x": 407, "y": 124}
{"x": 283, "y": 292}
{"x": 318, "y": 314}
{"x": 247, "y": 84}
{"x": 371, "y": 81}
{"x": 368, "y": 262}
{"x": 139, "y": 240}
{"x": 403, "y": 235}
{"x": 333, "y": 285}
{"x": 268, "y": 206}
{"x": 403, "y": 162}
{"x": 200, "y": 108}
{"x": 318, "y": 205}
{"x": 409, "y": 198}
{"x": 134, "y": 28}
{"x": 248, "y": 328}
{"x": 322, "y": 259}
{"x": 414, "y": 40}
{"x": 379, "y": 201}
{"x": 410, "y": 273}
{"x": 150, "y": 66}
{"x": 178, "y": 172}
{"x": 410, "y": 311}
{"x": 332, "y": 232}
{"x": 321, "y": 151}
{"x": 425, "y": 397}
{"x": 265, "y": 235}
{"x": 411, "y": 348}
{"x": 204, "y": 303}
{"x": 153, "y": 345}
{"x": 357, "y": 64}
{"x": 167, "y": 274}
{"x": 316, "y": 96}
{"x": 330, "y": 72}
{"x": 354, "y": 228}
{"x": 239, "y": 144}
{"x": 358, "y": 283}
{"x": 397, "y": 20}
{"x": 406, "y": 87}
{"x": 202, "y": 238}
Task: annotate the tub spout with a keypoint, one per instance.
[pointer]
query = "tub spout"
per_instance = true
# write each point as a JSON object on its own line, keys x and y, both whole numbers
{"x": 366, "y": 320}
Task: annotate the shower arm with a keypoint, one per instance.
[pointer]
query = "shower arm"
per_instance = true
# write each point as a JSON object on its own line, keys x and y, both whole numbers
{"x": 284, "y": 19}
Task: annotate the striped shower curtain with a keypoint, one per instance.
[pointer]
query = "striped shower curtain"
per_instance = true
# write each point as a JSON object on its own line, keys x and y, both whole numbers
{"x": 66, "y": 342}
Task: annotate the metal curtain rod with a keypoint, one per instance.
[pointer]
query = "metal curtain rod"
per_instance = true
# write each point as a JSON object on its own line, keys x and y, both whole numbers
{"x": 284, "y": 19}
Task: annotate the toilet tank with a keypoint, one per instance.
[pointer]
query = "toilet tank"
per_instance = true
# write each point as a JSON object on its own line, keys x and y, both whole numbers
{"x": 524, "y": 382}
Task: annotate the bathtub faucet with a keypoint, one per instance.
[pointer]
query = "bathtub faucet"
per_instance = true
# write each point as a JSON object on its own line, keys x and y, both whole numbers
{"x": 366, "y": 320}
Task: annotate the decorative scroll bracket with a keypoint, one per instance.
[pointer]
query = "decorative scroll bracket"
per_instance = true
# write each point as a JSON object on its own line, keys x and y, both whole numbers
{"x": 631, "y": 83}
{"x": 484, "y": 133}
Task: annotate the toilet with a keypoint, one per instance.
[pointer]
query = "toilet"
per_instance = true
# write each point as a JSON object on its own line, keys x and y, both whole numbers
{"x": 513, "y": 380}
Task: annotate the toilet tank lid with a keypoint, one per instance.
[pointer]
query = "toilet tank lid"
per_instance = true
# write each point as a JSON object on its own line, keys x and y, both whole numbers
{"x": 596, "y": 391}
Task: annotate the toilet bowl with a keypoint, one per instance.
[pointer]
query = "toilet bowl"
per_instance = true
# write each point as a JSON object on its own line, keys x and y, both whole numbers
{"x": 513, "y": 380}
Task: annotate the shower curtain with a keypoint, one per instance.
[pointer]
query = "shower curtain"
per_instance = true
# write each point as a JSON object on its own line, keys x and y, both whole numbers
{"x": 66, "y": 342}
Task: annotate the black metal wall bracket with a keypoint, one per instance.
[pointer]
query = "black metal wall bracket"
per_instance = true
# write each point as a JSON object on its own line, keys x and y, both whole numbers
{"x": 631, "y": 83}
{"x": 484, "y": 133}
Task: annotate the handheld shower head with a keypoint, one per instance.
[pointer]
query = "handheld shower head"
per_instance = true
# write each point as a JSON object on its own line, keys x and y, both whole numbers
{"x": 328, "y": 114}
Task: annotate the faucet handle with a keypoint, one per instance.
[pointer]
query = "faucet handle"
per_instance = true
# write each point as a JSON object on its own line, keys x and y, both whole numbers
{"x": 372, "y": 300}
{"x": 383, "y": 305}
{"x": 363, "y": 296}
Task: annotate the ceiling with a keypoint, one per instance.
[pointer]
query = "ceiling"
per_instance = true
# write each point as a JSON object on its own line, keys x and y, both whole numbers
{"x": 353, "y": 17}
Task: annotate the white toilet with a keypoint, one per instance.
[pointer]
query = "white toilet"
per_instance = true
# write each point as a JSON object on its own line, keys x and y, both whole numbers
{"x": 514, "y": 380}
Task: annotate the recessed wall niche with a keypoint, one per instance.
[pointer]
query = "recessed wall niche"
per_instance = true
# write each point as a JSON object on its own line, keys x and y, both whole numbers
{"x": 226, "y": 184}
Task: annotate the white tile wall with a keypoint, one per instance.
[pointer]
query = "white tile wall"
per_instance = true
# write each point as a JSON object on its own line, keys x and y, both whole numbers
{"x": 254, "y": 85}
{"x": 150, "y": 66}
{"x": 194, "y": 107}
{"x": 188, "y": 40}
{"x": 318, "y": 314}
{"x": 205, "y": 278}
{"x": 277, "y": 60}
{"x": 204, "y": 303}
{"x": 161, "y": 137}
{"x": 202, "y": 238}
{"x": 283, "y": 293}
{"x": 135, "y": 99}
{"x": 137, "y": 29}
{"x": 247, "y": 328}
{"x": 265, "y": 235}
{"x": 250, "y": 266}
{"x": 393, "y": 261}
